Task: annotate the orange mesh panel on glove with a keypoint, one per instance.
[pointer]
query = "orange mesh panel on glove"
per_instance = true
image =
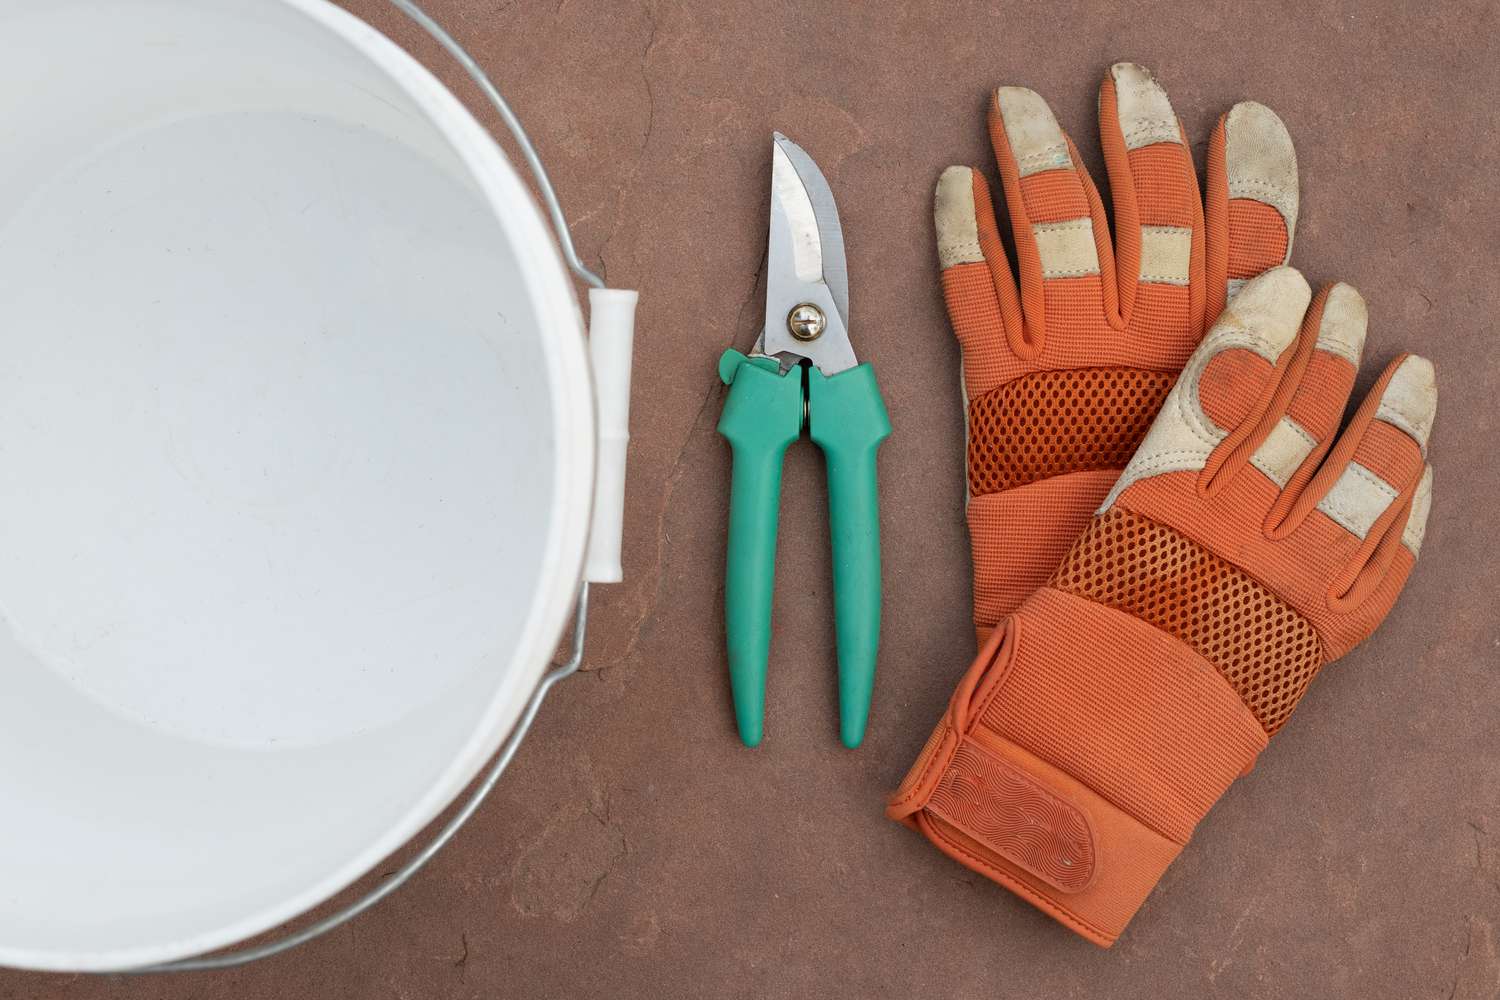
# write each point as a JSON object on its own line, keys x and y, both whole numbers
{"x": 1246, "y": 544}
{"x": 1052, "y": 423}
{"x": 1265, "y": 649}
{"x": 1067, "y": 360}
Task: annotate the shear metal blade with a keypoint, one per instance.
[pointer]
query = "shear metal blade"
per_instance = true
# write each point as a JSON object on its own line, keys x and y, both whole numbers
{"x": 830, "y": 234}
{"x": 805, "y": 262}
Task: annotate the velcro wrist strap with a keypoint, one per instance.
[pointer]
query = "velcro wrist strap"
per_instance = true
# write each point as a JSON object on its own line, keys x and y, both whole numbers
{"x": 994, "y": 798}
{"x": 1047, "y": 838}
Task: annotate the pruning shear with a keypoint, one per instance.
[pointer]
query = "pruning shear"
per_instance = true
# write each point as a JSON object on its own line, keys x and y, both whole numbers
{"x": 802, "y": 371}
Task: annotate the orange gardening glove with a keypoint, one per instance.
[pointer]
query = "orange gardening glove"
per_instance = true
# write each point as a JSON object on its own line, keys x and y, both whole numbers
{"x": 1247, "y": 544}
{"x": 1062, "y": 379}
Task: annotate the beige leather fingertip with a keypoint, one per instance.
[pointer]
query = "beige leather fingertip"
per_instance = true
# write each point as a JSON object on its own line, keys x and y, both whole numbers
{"x": 1036, "y": 141}
{"x": 1345, "y": 321}
{"x": 953, "y": 215}
{"x": 1260, "y": 160}
{"x": 1410, "y": 399}
{"x": 1268, "y": 311}
{"x": 1145, "y": 114}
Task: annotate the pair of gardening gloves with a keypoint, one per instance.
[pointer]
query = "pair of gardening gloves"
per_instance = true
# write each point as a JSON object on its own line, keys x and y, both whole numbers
{"x": 1171, "y": 532}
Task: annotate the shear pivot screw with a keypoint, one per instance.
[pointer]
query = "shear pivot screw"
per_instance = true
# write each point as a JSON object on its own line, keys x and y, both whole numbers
{"x": 806, "y": 322}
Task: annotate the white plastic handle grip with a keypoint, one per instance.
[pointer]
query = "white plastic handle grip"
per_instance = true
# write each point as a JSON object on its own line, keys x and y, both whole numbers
{"x": 611, "y": 347}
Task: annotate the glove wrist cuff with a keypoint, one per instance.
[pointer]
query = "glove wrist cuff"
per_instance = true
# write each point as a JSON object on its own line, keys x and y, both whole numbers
{"x": 1075, "y": 758}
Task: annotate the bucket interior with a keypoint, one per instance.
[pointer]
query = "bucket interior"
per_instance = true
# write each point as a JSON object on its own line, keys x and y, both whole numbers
{"x": 277, "y": 467}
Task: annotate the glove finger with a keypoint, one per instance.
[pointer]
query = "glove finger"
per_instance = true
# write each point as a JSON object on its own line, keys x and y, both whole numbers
{"x": 1294, "y": 438}
{"x": 1283, "y": 426}
{"x": 1159, "y": 246}
{"x": 1369, "y": 587}
{"x": 1386, "y": 439}
{"x": 1232, "y": 377}
{"x": 1361, "y": 511}
{"x": 1352, "y": 519}
{"x": 977, "y": 285}
{"x": 1062, "y": 238}
{"x": 1250, "y": 201}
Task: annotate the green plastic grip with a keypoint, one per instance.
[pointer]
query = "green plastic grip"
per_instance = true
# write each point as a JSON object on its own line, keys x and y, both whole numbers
{"x": 762, "y": 416}
{"x": 848, "y": 421}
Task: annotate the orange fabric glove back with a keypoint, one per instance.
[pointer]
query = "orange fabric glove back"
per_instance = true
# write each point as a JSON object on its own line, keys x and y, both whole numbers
{"x": 1062, "y": 377}
{"x": 1247, "y": 544}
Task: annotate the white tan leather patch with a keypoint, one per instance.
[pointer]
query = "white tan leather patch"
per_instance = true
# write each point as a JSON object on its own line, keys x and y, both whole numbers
{"x": 1260, "y": 161}
{"x": 1358, "y": 499}
{"x": 1283, "y": 451}
{"x": 1264, "y": 319}
{"x": 1066, "y": 248}
{"x": 1416, "y": 522}
{"x": 953, "y": 214}
{"x": 1166, "y": 253}
{"x": 1410, "y": 399}
{"x": 1035, "y": 139}
{"x": 1341, "y": 331}
{"x": 1146, "y": 116}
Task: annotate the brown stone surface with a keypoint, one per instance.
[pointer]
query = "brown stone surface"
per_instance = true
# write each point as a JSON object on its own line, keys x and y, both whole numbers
{"x": 636, "y": 850}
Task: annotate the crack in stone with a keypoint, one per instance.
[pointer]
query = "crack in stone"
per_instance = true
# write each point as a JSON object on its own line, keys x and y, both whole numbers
{"x": 760, "y": 272}
{"x": 674, "y": 477}
{"x": 1482, "y": 866}
{"x": 562, "y": 872}
{"x": 1476, "y": 965}
{"x": 611, "y": 826}
{"x": 645, "y": 143}
{"x": 650, "y": 13}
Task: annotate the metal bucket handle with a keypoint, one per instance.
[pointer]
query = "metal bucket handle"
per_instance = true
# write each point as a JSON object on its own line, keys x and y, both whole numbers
{"x": 611, "y": 330}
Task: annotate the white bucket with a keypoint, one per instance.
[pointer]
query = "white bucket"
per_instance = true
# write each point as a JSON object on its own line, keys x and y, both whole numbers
{"x": 297, "y": 451}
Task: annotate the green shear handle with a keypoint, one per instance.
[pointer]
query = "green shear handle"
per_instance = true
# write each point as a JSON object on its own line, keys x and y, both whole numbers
{"x": 847, "y": 419}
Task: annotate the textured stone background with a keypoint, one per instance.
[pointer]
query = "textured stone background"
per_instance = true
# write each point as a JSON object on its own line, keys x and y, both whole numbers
{"x": 636, "y": 850}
